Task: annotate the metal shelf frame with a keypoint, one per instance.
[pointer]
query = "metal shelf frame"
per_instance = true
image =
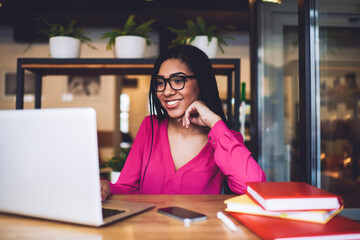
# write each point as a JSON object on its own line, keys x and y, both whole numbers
{"x": 230, "y": 67}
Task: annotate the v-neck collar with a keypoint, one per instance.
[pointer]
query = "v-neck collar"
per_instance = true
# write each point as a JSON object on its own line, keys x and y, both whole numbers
{"x": 168, "y": 159}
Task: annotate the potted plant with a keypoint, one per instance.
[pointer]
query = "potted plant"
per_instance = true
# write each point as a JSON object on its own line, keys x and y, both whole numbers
{"x": 207, "y": 38}
{"x": 64, "y": 42}
{"x": 116, "y": 164}
{"x": 131, "y": 40}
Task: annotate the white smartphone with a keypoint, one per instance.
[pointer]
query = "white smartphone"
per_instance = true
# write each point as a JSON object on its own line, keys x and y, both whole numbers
{"x": 182, "y": 213}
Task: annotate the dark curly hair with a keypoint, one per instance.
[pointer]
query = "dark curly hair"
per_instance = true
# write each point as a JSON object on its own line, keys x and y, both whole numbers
{"x": 198, "y": 62}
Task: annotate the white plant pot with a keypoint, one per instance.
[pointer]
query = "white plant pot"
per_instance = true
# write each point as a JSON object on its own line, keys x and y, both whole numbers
{"x": 210, "y": 48}
{"x": 130, "y": 47}
{"x": 114, "y": 176}
{"x": 64, "y": 47}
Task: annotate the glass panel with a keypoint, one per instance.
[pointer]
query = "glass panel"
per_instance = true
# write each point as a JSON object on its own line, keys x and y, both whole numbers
{"x": 278, "y": 91}
{"x": 339, "y": 30}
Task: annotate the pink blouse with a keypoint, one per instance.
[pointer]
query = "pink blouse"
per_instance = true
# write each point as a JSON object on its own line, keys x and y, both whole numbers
{"x": 225, "y": 155}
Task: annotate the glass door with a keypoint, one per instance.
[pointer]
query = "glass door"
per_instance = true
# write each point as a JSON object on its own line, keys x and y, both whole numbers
{"x": 278, "y": 87}
{"x": 338, "y": 79}
{"x": 339, "y": 45}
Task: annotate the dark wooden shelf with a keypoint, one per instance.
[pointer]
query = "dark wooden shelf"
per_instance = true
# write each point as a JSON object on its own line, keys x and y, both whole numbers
{"x": 229, "y": 67}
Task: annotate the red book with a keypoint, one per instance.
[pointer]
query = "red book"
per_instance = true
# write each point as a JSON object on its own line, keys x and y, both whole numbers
{"x": 269, "y": 228}
{"x": 292, "y": 196}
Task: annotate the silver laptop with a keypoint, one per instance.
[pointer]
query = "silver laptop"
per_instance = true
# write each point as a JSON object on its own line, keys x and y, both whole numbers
{"x": 49, "y": 167}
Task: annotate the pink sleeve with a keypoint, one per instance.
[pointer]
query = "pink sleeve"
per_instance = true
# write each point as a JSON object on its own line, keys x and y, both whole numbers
{"x": 233, "y": 158}
{"x": 129, "y": 180}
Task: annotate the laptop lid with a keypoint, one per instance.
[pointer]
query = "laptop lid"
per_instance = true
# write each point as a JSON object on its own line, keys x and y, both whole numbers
{"x": 49, "y": 165}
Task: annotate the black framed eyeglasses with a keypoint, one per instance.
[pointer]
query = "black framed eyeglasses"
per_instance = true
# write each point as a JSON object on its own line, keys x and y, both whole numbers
{"x": 176, "y": 82}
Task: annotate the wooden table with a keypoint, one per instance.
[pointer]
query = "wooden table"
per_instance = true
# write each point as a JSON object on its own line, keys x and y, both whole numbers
{"x": 147, "y": 225}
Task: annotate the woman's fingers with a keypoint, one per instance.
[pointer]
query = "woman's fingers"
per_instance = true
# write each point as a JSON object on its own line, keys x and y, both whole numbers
{"x": 198, "y": 113}
{"x": 105, "y": 189}
{"x": 189, "y": 115}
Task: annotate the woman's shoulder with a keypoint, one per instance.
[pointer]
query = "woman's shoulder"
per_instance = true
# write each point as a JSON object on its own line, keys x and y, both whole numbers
{"x": 148, "y": 118}
{"x": 155, "y": 121}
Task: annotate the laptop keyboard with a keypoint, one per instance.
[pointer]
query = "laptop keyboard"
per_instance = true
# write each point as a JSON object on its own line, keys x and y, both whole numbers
{"x": 106, "y": 212}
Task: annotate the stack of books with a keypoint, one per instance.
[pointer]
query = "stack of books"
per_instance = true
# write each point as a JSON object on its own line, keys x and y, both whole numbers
{"x": 292, "y": 210}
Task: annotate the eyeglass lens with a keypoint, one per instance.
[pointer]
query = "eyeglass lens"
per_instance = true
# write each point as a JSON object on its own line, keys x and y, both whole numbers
{"x": 176, "y": 83}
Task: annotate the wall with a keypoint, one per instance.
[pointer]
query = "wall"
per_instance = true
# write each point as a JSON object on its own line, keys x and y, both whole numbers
{"x": 55, "y": 86}
{"x": 104, "y": 104}
{"x": 139, "y": 103}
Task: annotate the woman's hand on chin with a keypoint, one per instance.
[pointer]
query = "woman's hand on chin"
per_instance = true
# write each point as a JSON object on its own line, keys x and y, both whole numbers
{"x": 198, "y": 113}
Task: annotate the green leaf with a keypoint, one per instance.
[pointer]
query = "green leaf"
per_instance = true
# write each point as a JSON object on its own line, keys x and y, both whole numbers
{"x": 193, "y": 29}
{"x": 201, "y": 24}
{"x": 55, "y": 29}
{"x": 117, "y": 162}
{"x": 130, "y": 28}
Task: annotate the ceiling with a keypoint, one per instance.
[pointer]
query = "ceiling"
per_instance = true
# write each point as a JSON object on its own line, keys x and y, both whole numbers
{"x": 51, "y": 5}
{"x": 112, "y": 13}
{"x": 21, "y": 14}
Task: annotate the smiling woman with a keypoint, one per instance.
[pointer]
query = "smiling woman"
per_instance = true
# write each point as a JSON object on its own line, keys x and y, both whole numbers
{"x": 184, "y": 146}
{"x": 182, "y": 90}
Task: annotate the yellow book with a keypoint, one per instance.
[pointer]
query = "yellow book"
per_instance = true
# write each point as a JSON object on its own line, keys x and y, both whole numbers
{"x": 244, "y": 204}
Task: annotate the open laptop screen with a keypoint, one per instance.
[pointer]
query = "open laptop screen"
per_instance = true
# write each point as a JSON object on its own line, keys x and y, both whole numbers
{"x": 49, "y": 164}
